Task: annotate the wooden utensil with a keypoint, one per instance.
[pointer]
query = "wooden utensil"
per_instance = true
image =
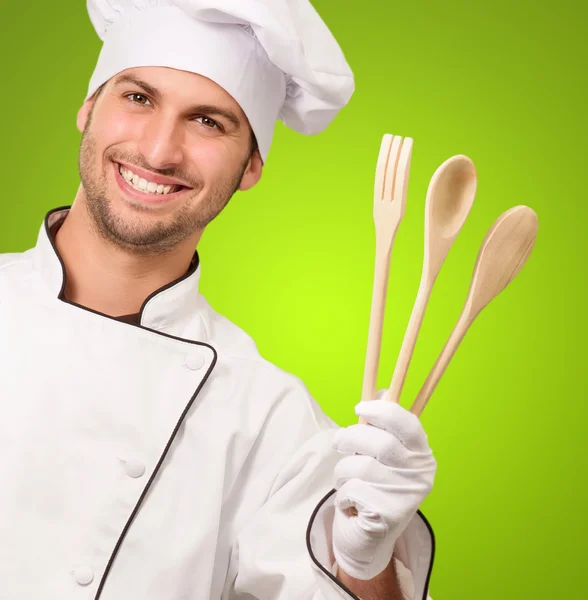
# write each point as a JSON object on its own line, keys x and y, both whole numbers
{"x": 450, "y": 197}
{"x": 390, "y": 190}
{"x": 503, "y": 253}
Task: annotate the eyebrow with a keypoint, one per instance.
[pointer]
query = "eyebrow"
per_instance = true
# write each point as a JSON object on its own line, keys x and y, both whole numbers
{"x": 199, "y": 108}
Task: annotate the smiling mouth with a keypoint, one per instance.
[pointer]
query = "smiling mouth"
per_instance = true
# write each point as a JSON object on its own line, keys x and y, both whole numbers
{"x": 146, "y": 186}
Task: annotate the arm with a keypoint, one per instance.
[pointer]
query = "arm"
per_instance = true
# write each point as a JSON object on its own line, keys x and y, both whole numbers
{"x": 384, "y": 586}
{"x": 392, "y": 584}
{"x": 270, "y": 553}
{"x": 387, "y": 472}
{"x": 413, "y": 559}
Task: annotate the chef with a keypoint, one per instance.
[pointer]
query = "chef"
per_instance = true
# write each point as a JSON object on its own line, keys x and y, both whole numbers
{"x": 147, "y": 450}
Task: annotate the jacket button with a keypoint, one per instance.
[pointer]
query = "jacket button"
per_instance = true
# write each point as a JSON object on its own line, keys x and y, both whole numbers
{"x": 134, "y": 468}
{"x": 83, "y": 575}
{"x": 195, "y": 361}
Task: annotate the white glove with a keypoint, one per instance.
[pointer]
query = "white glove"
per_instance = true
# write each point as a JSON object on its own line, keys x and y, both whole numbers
{"x": 388, "y": 475}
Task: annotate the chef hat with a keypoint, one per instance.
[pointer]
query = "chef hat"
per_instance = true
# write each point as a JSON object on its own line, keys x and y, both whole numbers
{"x": 276, "y": 58}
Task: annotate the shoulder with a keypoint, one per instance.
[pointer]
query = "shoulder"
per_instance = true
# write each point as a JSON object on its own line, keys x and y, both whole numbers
{"x": 9, "y": 259}
{"x": 15, "y": 265}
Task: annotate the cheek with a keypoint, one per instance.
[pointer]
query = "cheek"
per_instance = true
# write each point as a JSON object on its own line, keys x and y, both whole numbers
{"x": 212, "y": 159}
{"x": 116, "y": 130}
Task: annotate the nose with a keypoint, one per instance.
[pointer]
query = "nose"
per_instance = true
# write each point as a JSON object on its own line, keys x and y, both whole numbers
{"x": 161, "y": 142}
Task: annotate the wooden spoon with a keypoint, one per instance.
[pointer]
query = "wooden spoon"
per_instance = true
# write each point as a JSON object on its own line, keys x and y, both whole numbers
{"x": 450, "y": 197}
{"x": 503, "y": 253}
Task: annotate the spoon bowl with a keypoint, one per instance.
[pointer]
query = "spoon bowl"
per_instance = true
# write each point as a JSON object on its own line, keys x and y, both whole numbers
{"x": 455, "y": 187}
{"x": 503, "y": 253}
{"x": 450, "y": 198}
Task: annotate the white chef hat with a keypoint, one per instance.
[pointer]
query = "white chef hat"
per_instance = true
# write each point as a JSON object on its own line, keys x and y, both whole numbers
{"x": 276, "y": 58}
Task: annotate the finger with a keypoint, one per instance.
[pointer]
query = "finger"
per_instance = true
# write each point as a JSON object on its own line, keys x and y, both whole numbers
{"x": 369, "y": 519}
{"x": 374, "y": 503}
{"x": 380, "y": 393}
{"x": 395, "y": 419}
{"x": 360, "y": 467}
{"x": 361, "y": 548}
{"x": 396, "y": 481}
{"x": 374, "y": 442}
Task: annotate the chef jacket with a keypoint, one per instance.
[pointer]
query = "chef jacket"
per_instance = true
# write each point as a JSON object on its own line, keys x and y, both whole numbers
{"x": 162, "y": 459}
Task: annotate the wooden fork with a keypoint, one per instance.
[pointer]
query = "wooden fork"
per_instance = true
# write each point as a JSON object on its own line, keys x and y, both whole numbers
{"x": 390, "y": 191}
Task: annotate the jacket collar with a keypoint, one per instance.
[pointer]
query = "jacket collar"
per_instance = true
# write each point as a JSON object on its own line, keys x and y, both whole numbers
{"x": 162, "y": 308}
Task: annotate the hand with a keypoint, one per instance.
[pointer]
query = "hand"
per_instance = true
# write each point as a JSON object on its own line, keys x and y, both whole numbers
{"x": 381, "y": 485}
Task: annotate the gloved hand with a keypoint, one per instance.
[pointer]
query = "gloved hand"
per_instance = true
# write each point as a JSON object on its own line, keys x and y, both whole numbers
{"x": 388, "y": 474}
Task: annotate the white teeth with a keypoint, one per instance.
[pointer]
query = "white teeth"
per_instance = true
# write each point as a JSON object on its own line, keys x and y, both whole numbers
{"x": 143, "y": 185}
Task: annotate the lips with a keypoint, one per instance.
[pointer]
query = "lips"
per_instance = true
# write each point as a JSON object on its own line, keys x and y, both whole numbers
{"x": 161, "y": 194}
{"x": 145, "y": 182}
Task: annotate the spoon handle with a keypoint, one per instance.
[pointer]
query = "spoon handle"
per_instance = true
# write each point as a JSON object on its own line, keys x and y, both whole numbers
{"x": 457, "y": 335}
{"x": 409, "y": 341}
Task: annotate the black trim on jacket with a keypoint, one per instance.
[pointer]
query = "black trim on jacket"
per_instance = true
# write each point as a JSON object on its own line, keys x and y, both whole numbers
{"x": 172, "y": 437}
{"x": 339, "y": 583}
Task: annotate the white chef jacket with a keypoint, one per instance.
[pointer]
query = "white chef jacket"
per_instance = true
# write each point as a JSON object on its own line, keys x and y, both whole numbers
{"x": 160, "y": 461}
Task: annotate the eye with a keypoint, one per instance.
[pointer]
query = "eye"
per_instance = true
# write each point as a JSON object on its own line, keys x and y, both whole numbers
{"x": 209, "y": 123}
{"x": 139, "y": 98}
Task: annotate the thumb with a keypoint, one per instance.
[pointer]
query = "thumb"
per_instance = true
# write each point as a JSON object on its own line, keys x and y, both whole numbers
{"x": 361, "y": 545}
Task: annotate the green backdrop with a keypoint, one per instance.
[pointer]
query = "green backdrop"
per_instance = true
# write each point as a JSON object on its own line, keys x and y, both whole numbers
{"x": 291, "y": 261}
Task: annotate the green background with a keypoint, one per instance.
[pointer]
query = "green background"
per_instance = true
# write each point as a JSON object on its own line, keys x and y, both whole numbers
{"x": 291, "y": 261}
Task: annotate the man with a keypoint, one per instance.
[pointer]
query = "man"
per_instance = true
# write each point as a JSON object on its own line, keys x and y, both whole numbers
{"x": 148, "y": 451}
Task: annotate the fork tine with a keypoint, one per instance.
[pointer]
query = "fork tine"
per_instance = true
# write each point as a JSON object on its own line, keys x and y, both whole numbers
{"x": 391, "y": 169}
{"x": 382, "y": 165}
{"x": 402, "y": 173}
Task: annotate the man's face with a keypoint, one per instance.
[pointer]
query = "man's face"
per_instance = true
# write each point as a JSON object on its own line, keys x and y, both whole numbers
{"x": 153, "y": 128}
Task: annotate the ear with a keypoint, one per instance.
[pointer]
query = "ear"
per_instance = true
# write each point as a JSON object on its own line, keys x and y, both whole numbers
{"x": 253, "y": 172}
{"x": 84, "y": 113}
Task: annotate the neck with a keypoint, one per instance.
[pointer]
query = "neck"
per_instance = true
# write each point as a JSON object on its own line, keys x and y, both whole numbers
{"x": 105, "y": 278}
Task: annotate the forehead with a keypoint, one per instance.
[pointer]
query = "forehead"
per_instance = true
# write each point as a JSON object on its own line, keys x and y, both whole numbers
{"x": 181, "y": 87}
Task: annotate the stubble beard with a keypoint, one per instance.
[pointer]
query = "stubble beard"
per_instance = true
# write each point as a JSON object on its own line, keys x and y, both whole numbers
{"x": 137, "y": 237}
